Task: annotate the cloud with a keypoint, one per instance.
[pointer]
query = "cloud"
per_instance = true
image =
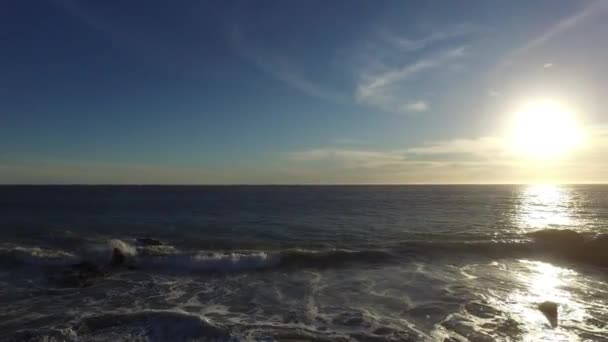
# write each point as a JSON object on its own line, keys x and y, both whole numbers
{"x": 560, "y": 27}
{"x": 346, "y": 141}
{"x": 410, "y": 45}
{"x": 548, "y": 65}
{"x": 281, "y": 68}
{"x": 379, "y": 80}
{"x": 436, "y": 153}
{"x": 378, "y": 88}
{"x": 96, "y": 172}
{"x": 418, "y": 106}
{"x": 462, "y": 160}
{"x": 376, "y": 81}
{"x": 484, "y": 147}
{"x": 381, "y": 66}
{"x": 349, "y": 157}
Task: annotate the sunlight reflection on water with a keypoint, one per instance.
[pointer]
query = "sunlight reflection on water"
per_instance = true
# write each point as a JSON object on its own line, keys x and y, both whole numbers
{"x": 544, "y": 282}
{"x": 542, "y": 207}
{"x": 545, "y": 206}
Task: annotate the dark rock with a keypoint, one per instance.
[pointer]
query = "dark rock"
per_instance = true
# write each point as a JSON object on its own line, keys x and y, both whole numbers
{"x": 549, "y": 309}
{"x": 118, "y": 257}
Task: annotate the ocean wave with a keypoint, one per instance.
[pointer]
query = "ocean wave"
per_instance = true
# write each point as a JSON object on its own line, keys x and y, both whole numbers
{"x": 170, "y": 258}
{"x": 209, "y": 261}
{"x": 565, "y": 244}
{"x": 254, "y": 260}
{"x": 573, "y": 245}
{"x": 556, "y": 243}
{"x": 11, "y": 256}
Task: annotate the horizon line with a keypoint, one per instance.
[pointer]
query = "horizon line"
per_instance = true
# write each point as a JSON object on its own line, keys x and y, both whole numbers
{"x": 292, "y": 184}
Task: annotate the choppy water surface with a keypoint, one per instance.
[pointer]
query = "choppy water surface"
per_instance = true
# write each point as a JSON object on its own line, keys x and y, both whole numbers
{"x": 344, "y": 263}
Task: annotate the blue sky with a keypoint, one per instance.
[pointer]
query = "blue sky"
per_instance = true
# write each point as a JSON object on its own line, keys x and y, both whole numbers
{"x": 293, "y": 92}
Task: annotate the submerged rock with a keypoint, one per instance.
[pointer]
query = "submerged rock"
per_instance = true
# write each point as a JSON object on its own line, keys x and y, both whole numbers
{"x": 549, "y": 309}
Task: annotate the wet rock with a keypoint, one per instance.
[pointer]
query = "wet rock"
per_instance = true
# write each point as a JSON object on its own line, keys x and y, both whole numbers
{"x": 146, "y": 241}
{"x": 549, "y": 309}
{"x": 118, "y": 257}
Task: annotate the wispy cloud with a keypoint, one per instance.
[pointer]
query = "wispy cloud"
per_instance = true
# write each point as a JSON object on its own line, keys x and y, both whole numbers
{"x": 418, "y": 106}
{"x": 379, "y": 75}
{"x": 408, "y": 44}
{"x": 347, "y": 141}
{"x": 484, "y": 147}
{"x": 548, "y": 65}
{"x": 378, "y": 88}
{"x": 566, "y": 24}
{"x": 97, "y": 172}
{"x": 375, "y": 81}
{"x": 493, "y": 93}
{"x": 349, "y": 157}
{"x": 470, "y": 160}
{"x": 281, "y": 68}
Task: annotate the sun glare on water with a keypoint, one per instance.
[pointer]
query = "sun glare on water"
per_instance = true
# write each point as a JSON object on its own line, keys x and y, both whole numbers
{"x": 545, "y": 130}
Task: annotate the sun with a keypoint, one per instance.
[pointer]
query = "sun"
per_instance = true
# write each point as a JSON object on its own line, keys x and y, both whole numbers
{"x": 544, "y": 130}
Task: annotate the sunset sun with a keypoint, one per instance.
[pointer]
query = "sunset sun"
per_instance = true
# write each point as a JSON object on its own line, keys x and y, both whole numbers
{"x": 545, "y": 129}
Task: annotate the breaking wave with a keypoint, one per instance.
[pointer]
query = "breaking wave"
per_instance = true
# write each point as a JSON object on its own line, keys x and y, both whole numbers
{"x": 565, "y": 244}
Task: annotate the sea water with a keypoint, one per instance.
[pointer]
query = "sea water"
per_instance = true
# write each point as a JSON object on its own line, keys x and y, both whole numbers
{"x": 287, "y": 263}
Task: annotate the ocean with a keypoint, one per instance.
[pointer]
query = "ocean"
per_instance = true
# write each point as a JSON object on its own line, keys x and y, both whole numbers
{"x": 303, "y": 263}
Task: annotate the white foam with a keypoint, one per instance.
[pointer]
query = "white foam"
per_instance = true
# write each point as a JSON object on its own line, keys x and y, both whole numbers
{"x": 157, "y": 325}
{"x": 212, "y": 262}
{"x": 38, "y": 256}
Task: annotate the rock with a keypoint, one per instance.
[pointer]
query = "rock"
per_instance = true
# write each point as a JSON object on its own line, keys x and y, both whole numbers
{"x": 118, "y": 257}
{"x": 146, "y": 241}
{"x": 549, "y": 309}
